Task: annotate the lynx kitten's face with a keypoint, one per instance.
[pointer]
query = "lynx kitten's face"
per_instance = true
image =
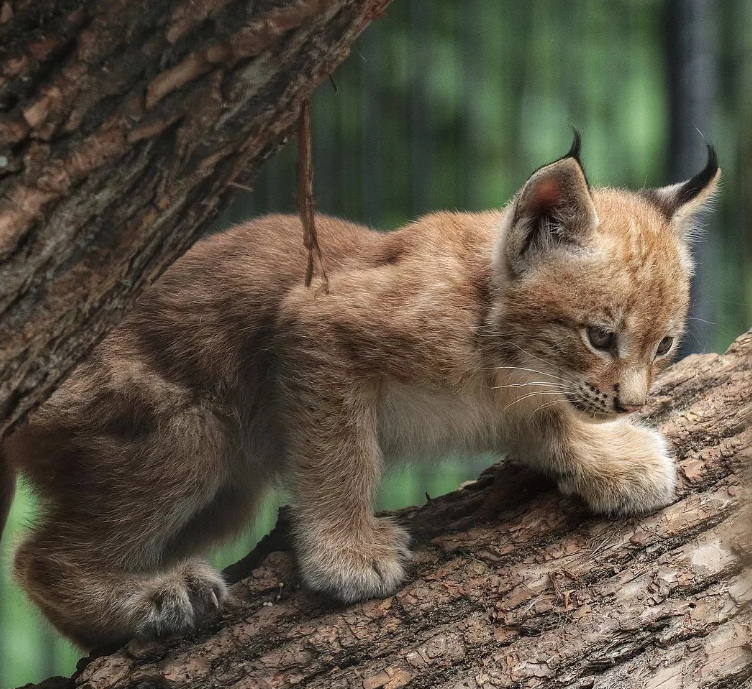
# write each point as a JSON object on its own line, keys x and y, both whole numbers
{"x": 596, "y": 285}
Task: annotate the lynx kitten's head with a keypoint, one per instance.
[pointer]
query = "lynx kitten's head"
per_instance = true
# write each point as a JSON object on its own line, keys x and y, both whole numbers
{"x": 596, "y": 283}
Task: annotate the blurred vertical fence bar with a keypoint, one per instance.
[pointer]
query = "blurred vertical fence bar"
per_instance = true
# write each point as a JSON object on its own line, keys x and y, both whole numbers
{"x": 422, "y": 144}
{"x": 692, "y": 55}
{"x": 371, "y": 66}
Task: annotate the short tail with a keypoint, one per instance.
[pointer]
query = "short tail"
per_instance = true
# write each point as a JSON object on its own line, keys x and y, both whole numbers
{"x": 7, "y": 489}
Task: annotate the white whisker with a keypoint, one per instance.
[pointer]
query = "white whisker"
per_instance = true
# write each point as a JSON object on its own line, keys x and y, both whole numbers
{"x": 529, "y": 354}
{"x": 532, "y": 394}
{"x": 547, "y": 404}
{"x": 524, "y": 385}
{"x": 531, "y": 370}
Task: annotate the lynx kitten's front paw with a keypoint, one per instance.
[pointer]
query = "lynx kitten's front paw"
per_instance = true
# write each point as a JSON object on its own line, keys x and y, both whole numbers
{"x": 639, "y": 476}
{"x": 357, "y": 566}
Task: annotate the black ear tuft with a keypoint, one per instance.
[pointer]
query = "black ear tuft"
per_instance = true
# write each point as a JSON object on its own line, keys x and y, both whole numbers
{"x": 680, "y": 203}
{"x": 574, "y": 151}
{"x": 692, "y": 187}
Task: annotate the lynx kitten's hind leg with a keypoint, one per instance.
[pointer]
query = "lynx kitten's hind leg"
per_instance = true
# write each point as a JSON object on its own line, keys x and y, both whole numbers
{"x": 97, "y": 607}
{"x": 175, "y": 602}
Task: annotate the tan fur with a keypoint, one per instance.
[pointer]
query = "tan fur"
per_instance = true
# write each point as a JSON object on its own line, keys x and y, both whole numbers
{"x": 459, "y": 331}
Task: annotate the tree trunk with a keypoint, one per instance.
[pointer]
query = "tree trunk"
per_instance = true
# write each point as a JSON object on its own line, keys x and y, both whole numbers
{"x": 512, "y": 584}
{"x": 121, "y": 124}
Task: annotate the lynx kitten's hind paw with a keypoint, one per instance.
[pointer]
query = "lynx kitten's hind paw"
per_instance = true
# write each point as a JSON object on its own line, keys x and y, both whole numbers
{"x": 374, "y": 568}
{"x": 178, "y": 601}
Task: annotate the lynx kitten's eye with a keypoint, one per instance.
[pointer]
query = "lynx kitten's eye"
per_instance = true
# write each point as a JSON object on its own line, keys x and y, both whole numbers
{"x": 601, "y": 338}
{"x": 665, "y": 344}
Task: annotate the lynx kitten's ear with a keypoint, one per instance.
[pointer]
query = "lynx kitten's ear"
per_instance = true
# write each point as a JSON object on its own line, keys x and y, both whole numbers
{"x": 681, "y": 202}
{"x": 554, "y": 209}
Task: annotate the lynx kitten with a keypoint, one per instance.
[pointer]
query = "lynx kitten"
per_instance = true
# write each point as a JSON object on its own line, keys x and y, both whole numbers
{"x": 535, "y": 330}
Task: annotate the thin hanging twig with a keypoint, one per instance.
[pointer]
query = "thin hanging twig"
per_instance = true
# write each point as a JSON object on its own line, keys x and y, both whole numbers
{"x": 305, "y": 198}
{"x": 238, "y": 185}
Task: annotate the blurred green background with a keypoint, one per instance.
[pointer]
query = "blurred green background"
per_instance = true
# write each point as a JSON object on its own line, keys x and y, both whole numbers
{"x": 449, "y": 104}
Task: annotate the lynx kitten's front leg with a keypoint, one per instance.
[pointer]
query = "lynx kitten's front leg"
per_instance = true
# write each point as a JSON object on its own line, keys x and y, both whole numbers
{"x": 619, "y": 468}
{"x": 342, "y": 549}
{"x": 366, "y": 561}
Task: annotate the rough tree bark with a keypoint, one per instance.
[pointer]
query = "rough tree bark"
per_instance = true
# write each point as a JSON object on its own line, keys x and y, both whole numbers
{"x": 513, "y": 585}
{"x": 121, "y": 124}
